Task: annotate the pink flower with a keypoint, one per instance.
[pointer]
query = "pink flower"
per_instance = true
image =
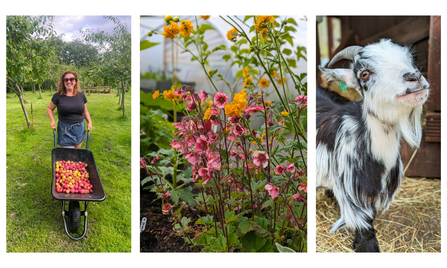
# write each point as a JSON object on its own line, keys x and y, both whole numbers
{"x": 241, "y": 155}
{"x": 191, "y": 158}
{"x": 142, "y": 163}
{"x": 187, "y": 97}
{"x": 280, "y": 170}
{"x": 166, "y": 208}
{"x": 220, "y": 99}
{"x": 238, "y": 129}
{"x": 214, "y": 121}
{"x": 214, "y": 110}
{"x": 234, "y": 120}
{"x": 203, "y": 95}
{"x": 254, "y": 109}
{"x": 303, "y": 187}
{"x": 202, "y": 143}
{"x": 165, "y": 195}
{"x": 232, "y": 137}
{"x": 299, "y": 197}
{"x": 213, "y": 160}
{"x": 192, "y": 106}
{"x": 260, "y": 158}
{"x": 291, "y": 167}
{"x": 273, "y": 191}
{"x": 204, "y": 173}
{"x": 301, "y": 99}
{"x": 155, "y": 159}
{"x": 233, "y": 153}
{"x": 175, "y": 144}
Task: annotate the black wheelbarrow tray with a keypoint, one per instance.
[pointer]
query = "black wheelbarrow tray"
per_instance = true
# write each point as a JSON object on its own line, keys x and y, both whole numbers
{"x": 74, "y": 213}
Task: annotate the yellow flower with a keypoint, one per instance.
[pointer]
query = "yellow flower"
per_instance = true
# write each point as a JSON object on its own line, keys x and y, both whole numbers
{"x": 274, "y": 74}
{"x": 268, "y": 103}
{"x": 207, "y": 114}
{"x": 169, "y": 95}
{"x": 259, "y": 22}
{"x": 171, "y": 31}
{"x": 280, "y": 81}
{"x": 232, "y": 110}
{"x": 247, "y": 81}
{"x": 186, "y": 27}
{"x": 232, "y": 37}
{"x": 245, "y": 72}
{"x": 240, "y": 100}
{"x": 205, "y": 17}
{"x": 263, "y": 82}
{"x": 156, "y": 94}
{"x": 284, "y": 113}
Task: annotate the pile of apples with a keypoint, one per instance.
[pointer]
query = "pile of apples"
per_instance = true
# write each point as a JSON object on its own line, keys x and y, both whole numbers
{"x": 72, "y": 178}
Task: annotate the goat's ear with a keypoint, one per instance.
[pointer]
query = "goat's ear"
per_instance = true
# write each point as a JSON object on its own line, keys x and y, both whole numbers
{"x": 341, "y": 75}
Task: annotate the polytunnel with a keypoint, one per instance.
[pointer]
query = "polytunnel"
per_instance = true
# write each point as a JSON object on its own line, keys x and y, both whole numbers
{"x": 163, "y": 57}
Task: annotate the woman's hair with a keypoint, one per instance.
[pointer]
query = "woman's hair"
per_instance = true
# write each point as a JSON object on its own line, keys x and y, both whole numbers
{"x": 61, "y": 86}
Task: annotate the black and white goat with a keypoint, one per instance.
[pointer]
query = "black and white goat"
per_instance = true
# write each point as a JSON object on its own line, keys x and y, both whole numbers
{"x": 358, "y": 143}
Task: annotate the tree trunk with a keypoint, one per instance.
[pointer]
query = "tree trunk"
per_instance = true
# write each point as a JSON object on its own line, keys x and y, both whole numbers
{"x": 24, "y": 108}
{"x": 34, "y": 88}
{"x": 40, "y": 91}
{"x": 122, "y": 99}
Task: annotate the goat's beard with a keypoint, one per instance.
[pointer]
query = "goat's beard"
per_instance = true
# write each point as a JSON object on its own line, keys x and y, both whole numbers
{"x": 403, "y": 115}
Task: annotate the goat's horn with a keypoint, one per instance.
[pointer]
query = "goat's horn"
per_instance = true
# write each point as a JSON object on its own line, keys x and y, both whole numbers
{"x": 346, "y": 54}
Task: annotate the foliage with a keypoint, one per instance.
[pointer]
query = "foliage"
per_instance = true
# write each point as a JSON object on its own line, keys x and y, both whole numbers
{"x": 27, "y": 52}
{"x": 252, "y": 182}
{"x": 155, "y": 132}
{"x": 78, "y": 53}
{"x": 115, "y": 55}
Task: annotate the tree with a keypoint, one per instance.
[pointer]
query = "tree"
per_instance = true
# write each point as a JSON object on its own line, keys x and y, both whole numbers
{"x": 115, "y": 55}
{"x": 78, "y": 53}
{"x": 27, "y": 51}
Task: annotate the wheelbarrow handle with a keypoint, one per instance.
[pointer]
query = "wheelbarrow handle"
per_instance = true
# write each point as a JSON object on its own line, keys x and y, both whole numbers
{"x": 54, "y": 135}
{"x": 88, "y": 138}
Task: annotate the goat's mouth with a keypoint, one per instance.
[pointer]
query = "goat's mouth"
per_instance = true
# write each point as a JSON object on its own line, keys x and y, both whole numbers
{"x": 415, "y": 96}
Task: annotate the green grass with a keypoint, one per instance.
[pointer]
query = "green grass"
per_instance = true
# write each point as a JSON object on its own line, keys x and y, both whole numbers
{"x": 33, "y": 216}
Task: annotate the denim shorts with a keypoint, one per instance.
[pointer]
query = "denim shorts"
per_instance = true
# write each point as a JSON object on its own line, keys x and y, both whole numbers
{"x": 70, "y": 134}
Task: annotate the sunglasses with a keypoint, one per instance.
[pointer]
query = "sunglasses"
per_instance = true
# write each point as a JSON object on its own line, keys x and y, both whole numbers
{"x": 71, "y": 79}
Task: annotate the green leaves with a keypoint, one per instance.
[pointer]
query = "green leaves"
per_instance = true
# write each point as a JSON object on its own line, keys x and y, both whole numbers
{"x": 145, "y": 44}
{"x": 204, "y": 27}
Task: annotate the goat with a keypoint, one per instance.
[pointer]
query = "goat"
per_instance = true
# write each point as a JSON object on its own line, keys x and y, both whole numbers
{"x": 358, "y": 142}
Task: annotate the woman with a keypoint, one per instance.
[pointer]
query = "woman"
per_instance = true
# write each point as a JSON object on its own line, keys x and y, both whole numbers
{"x": 72, "y": 109}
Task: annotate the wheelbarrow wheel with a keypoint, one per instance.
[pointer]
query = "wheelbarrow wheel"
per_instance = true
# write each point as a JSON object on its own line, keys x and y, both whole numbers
{"x": 74, "y": 216}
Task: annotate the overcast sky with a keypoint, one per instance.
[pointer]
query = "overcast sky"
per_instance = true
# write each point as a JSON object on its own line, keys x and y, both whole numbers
{"x": 70, "y": 25}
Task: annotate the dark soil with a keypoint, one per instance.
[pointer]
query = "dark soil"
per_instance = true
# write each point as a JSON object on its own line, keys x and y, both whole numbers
{"x": 159, "y": 235}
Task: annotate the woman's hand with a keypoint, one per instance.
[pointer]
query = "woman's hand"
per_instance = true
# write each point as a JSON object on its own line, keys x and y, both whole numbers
{"x": 53, "y": 124}
{"x": 89, "y": 126}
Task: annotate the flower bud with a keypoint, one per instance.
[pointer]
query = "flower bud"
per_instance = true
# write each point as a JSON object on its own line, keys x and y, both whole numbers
{"x": 168, "y": 18}
{"x": 149, "y": 33}
{"x": 176, "y": 19}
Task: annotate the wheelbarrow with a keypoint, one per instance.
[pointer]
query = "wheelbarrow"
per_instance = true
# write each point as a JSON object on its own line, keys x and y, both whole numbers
{"x": 73, "y": 214}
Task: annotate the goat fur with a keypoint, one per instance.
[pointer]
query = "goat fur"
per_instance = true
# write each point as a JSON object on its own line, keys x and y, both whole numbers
{"x": 359, "y": 143}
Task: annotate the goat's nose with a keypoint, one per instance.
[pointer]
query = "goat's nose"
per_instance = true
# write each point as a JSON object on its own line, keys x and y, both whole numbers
{"x": 412, "y": 77}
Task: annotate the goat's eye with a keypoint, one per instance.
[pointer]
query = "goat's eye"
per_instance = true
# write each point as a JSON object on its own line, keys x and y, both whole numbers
{"x": 365, "y": 74}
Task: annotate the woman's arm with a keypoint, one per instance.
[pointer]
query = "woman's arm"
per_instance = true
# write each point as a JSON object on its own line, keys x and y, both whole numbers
{"x": 50, "y": 109}
{"x": 87, "y": 117}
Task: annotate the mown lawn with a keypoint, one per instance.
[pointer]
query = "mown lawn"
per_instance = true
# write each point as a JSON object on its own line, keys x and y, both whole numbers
{"x": 33, "y": 216}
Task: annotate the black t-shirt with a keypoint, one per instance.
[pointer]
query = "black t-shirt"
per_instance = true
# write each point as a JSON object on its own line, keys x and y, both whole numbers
{"x": 70, "y": 109}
